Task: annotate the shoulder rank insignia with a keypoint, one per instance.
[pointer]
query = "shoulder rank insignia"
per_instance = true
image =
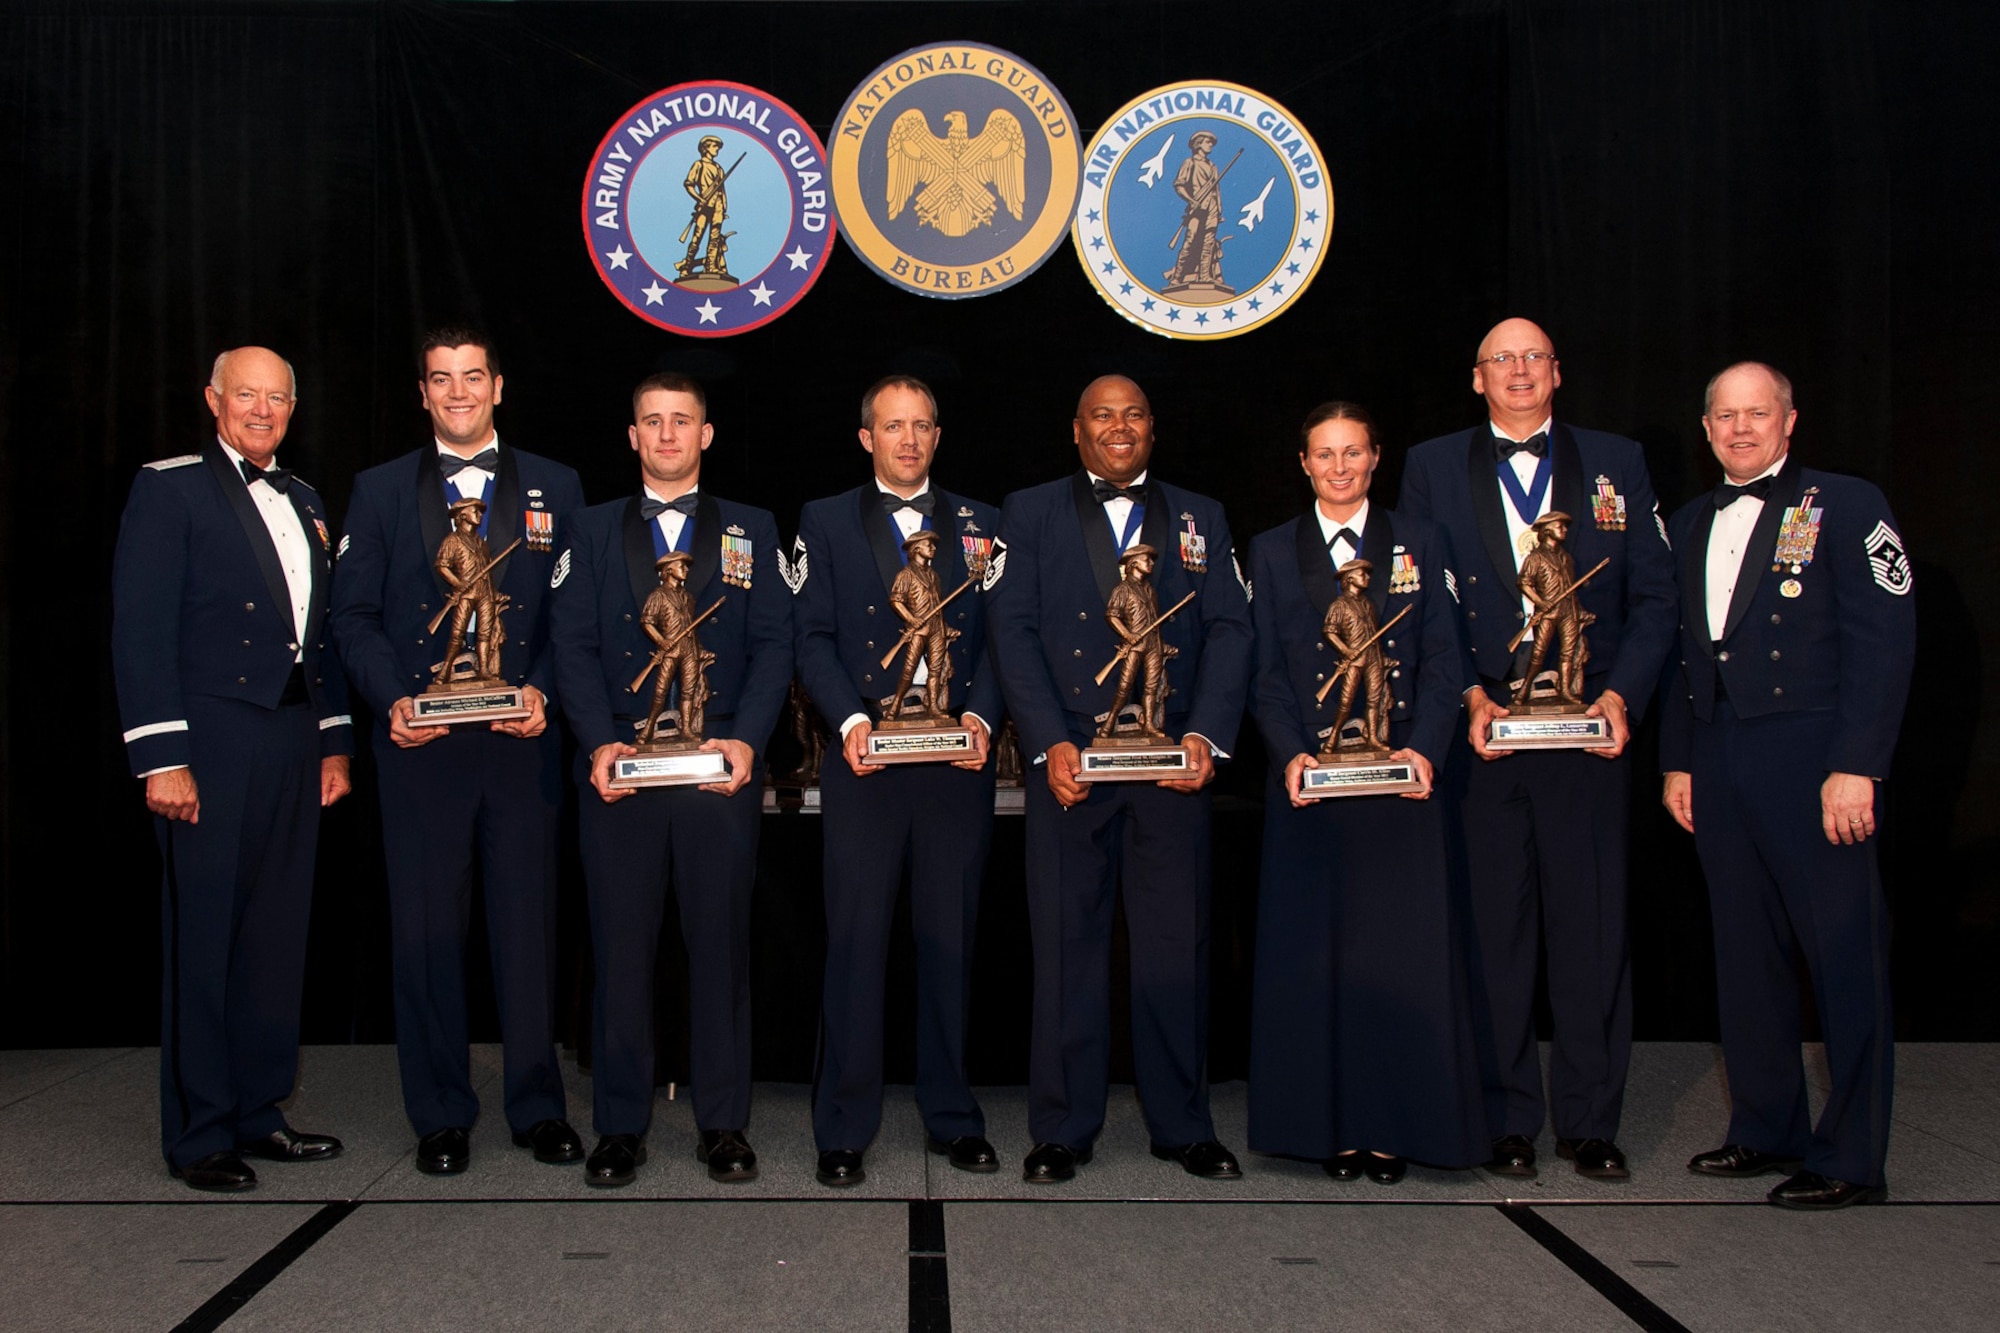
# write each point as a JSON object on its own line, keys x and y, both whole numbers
{"x": 180, "y": 460}
{"x": 793, "y": 571}
{"x": 954, "y": 169}
{"x": 745, "y": 173}
{"x": 978, "y": 554}
{"x": 1607, "y": 506}
{"x": 1798, "y": 534}
{"x": 1404, "y": 576}
{"x": 1249, "y": 594}
{"x": 346, "y": 539}
{"x": 1175, "y": 179}
{"x": 1887, "y": 560}
{"x": 1194, "y": 548}
{"x": 996, "y": 565}
{"x": 539, "y": 529}
{"x": 561, "y": 571}
{"x": 737, "y": 560}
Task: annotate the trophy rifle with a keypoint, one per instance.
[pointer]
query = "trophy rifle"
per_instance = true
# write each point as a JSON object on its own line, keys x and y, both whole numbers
{"x": 1198, "y": 201}
{"x": 661, "y": 654}
{"x": 695, "y": 221}
{"x": 915, "y": 625}
{"x": 1354, "y": 658}
{"x": 459, "y": 596}
{"x": 1133, "y": 642}
{"x": 1554, "y": 602}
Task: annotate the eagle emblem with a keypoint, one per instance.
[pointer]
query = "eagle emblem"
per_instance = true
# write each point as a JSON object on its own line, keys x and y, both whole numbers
{"x": 956, "y": 179}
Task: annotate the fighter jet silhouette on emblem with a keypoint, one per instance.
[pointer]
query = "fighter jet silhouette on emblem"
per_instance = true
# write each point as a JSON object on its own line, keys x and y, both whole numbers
{"x": 950, "y": 177}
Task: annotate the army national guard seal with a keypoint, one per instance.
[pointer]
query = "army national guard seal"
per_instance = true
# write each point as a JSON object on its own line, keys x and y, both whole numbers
{"x": 955, "y": 169}
{"x": 706, "y": 209}
{"x": 1205, "y": 210}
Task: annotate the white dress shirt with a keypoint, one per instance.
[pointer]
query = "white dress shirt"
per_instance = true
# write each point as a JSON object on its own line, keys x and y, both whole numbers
{"x": 1524, "y": 465}
{"x": 1728, "y": 539}
{"x": 288, "y": 534}
{"x": 471, "y": 481}
{"x": 1119, "y": 511}
{"x": 1343, "y": 550}
{"x": 670, "y": 521}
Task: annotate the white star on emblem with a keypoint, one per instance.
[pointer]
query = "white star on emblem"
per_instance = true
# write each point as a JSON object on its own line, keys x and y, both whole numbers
{"x": 708, "y": 310}
{"x": 799, "y": 257}
{"x": 761, "y": 295}
{"x": 654, "y": 292}
{"x": 619, "y": 257}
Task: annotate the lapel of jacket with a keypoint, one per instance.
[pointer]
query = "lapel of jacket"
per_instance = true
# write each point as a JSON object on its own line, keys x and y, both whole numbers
{"x": 1484, "y": 484}
{"x": 312, "y": 521}
{"x": 640, "y": 565}
{"x": 1316, "y": 572}
{"x": 1694, "y": 577}
{"x": 880, "y": 533}
{"x": 1785, "y": 490}
{"x": 1566, "y": 484}
{"x": 1378, "y": 544}
{"x": 433, "y": 513}
{"x": 503, "y": 511}
{"x": 1096, "y": 529}
{"x": 950, "y": 562}
{"x": 237, "y": 494}
{"x": 707, "y": 549}
{"x": 1158, "y": 530}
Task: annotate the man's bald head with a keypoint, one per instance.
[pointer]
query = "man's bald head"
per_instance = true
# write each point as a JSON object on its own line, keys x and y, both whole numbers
{"x": 252, "y": 392}
{"x": 1114, "y": 429}
{"x": 1516, "y": 372}
{"x": 222, "y": 361}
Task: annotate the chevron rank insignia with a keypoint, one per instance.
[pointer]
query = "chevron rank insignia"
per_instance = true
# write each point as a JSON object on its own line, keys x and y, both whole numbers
{"x": 1887, "y": 561}
{"x": 793, "y": 571}
{"x": 560, "y": 572}
{"x": 996, "y": 566}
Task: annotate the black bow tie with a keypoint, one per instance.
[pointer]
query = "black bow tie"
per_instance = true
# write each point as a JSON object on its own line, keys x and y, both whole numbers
{"x": 685, "y": 505}
{"x": 1727, "y": 495}
{"x": 486, "y": 460}
{"x": 1353, "y": 538}
{"x": 925, "y": 504}
{"x": 1536, "y": 444}
{"x": 280, "y": 480}
{"x": 1105, "y": 492}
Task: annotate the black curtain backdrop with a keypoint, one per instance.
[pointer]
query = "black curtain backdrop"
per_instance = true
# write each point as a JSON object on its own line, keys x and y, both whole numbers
{"x": 1665, "y": 186}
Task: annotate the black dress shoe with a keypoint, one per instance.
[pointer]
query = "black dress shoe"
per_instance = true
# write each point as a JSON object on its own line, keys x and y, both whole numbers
{"x": 1812, "y": 1192}
{"x": 1513, "y": 1155}
{"x": 840, "y": 1168}
{"x": 968, "y": 1152}
{"x": 1734, "y": 1159}
{"x": 1052, "y": 1163}
{"x": 554, "y": 1142}
{"x": 728, "y": 1154}
{"x": 445, "y": 1153}
{"x": 1599, "y": 1159}
{"x": 1207, "y": 1159}
{"x": 615, "y": 1161}
{"x": 288, "y": 1145}
{"x": 1345, "y": 1166}
{"x": 221, "y": 1171}
{"x": 1385, "y": 1170}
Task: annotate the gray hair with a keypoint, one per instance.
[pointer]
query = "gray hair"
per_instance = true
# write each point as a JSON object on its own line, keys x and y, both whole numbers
{"x": 222, "y": 359}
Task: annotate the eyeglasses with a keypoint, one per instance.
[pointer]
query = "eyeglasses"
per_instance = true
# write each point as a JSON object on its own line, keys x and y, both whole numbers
{"x": 1506, "y": 359}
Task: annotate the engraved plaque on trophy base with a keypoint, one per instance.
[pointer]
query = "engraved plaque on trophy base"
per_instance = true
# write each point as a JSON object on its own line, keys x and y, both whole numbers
{"x": 1550, "y": 727}
{"x": 469, "y": 702}
{"x": 917, "y": 743}
{"x": 1133, "y": 759}
{"x": 674, "y": 764}
{"x": 1369, "y": 775}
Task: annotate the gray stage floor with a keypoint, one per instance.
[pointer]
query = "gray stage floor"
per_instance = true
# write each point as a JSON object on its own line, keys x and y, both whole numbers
{"x": 100, "y": 1237}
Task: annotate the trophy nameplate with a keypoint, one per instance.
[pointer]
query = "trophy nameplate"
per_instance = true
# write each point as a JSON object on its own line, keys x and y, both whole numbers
{"x": 453, "y": 706}
{"x": 1544, "y": 728}
{"x": 1133, "y": 761}
{"x": 1358, "y": 777}
{"x": 918, "y": 743}
{"x": 669, "y": 766}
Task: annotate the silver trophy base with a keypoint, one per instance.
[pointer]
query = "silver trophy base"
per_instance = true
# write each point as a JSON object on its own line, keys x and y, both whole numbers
{"x": 680, "y": 768}
{"x": 918, "y": 745}
{"x": 450, "y": 708}
{"x": 1133, "y": 761}
{"x": 1358, "y": 777}
{"x": 1533, "y": 728}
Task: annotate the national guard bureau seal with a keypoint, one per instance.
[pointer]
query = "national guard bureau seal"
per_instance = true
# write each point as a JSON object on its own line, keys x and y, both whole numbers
{"x": 705, "y": 209}
{"x": 1205, "y": 210}
{"x": 954, "y": 169}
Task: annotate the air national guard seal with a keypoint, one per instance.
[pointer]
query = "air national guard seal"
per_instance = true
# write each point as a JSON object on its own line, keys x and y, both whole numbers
{"x": 955, "y": 169}
{"x": 705, "y": 209}
{"x": 1205, "y": 210}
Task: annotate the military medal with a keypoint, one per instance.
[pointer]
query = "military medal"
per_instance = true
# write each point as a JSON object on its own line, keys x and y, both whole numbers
{"x": 1790, "y": 588}
{"x": 736, "y": 558}
{"x": 540, "y": 527}
{"x": 1608, "y": 506}
{"x": 1194, "y": 548}
{"x": 977, "y": 552}
{"x": 1404, "y": 576}
{"x": 1525, "y": 543}
{"x": 326, "y": 542}
{"x": 1798, "y": 534}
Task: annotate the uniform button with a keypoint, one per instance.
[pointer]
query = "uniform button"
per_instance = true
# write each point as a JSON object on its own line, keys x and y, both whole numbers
{"x": 420, "y": 641}
{"x": 1402, "y": 703}
{"x": 1083, "y": 615}
{"x": 242, "y": 680}
{"x": 1777, "y": 619}
{"x": 246, "y": 643}
{"x": 961, "y": 615}
{"x": 628, "y": 652}
{"x": 1076, "y": 652}
{"x": 1395, "y": 675}
{"x": 249, "y": 606}
{"x": 1472, "y": 578}
{"x": 1722, "y": 656}
{"x": 871, "y": 643}
{"x": 1777, "y": 691}
{"x": 423, "y": 606}
{"x": 1472, "y": 615}
{"x": 628, "y": 617}
{"x": 1321, "y": 675}
{"x": 318, "y": 681}
{"x": 1392, "y": 643}
{"x": 1319, "y": 647}
{"x": 1774, "y": 654}
{"x": 294, "y": 647}
{"x": 868, "y": 679}
{"x": 1076, "y": 689}
{"x": 871, "y": 610}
